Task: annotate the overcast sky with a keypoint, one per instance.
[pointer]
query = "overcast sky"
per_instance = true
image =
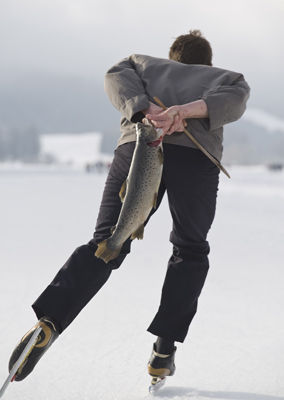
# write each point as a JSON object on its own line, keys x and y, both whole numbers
{"x": 85, "y": 37}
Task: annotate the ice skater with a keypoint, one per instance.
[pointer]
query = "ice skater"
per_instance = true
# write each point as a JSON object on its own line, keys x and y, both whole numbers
{"x": 201, "y": 97}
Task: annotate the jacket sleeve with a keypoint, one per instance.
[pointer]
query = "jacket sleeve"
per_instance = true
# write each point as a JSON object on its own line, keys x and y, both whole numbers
{"x": 125, "y": 89}
{"x": 226, "y": 103}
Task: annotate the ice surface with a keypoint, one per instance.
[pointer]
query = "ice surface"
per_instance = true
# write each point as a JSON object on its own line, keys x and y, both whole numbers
{"x": 235, "y": 346}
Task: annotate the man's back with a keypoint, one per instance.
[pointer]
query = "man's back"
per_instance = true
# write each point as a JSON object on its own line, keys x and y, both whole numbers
{"x": 139, "y": 78}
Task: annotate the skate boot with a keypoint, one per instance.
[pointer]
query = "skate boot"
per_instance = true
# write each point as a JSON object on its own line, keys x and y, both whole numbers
{"x": 159, "y": 367}
{"x": 45, "y": 339}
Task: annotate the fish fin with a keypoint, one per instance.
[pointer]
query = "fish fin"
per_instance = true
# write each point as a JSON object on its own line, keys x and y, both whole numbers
{"x": 112, "y": 229}
{"x": 161, "y": 155}
{"x": 105, "y": 253}
{"x": 155, "y": 200}
{"x": 123, "y": 191}
{"x": 139, "y": 233}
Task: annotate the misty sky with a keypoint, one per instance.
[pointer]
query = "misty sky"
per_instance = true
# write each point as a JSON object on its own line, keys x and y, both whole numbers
{"x": 83, "y": 38}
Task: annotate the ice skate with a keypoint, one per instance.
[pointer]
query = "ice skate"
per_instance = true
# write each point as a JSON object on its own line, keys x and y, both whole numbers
{"x": 159, "y": 367}
{"x": 46, "y": 337}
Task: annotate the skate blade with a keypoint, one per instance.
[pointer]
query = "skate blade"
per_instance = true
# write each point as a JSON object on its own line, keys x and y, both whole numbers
{"x": 156, "y": 384}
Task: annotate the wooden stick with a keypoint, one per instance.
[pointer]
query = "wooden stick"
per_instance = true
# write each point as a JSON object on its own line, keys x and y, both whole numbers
{"x": 197, "y": 144}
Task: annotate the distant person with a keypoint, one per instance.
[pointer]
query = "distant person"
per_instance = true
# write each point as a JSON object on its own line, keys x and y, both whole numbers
{"x": 204, "y": 98}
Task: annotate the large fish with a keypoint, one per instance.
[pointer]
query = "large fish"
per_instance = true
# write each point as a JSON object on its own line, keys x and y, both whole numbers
{"x": 138, "y": 193}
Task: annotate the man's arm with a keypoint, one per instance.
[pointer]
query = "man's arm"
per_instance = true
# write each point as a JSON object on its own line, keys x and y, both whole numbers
{"x": 226, "y": 103}
{"x": 125, "y": 90}
{"x": 220, "y": 105}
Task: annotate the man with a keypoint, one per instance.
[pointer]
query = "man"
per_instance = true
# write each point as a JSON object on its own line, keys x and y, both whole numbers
{"x": 202, "y": 97}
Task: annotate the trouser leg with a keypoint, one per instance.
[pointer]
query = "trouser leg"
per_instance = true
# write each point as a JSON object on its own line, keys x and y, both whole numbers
{"x": 80, "y": 278}
{"x": 191, "y": 182}
{"x": 83, "y": 274}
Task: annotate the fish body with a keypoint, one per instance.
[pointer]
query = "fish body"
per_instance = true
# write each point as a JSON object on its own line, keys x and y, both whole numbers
{"x": 138, "y": 193}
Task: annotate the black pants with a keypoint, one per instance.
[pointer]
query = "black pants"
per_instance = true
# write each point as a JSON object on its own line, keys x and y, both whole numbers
{"x": 191, "y": 183}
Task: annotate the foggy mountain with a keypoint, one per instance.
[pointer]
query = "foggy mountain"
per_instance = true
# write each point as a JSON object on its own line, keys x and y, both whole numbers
{"x": 55, "y": 103}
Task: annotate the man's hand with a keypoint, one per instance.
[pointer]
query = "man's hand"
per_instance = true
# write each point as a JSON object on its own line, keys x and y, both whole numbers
{"x": 170, "y": 120}
{"x": 153, "y": 109}
{"x": 173, "y": 119}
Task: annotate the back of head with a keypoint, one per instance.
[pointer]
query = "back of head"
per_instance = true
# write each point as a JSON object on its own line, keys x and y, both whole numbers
{"x": 192, "y": 48}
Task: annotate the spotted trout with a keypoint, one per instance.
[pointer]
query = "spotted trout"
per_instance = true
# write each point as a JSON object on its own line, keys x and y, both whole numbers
{"x": 138, "y": 193}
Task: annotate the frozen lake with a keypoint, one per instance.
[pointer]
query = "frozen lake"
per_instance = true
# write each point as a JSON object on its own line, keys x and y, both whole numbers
{"x": 235, "y": 346}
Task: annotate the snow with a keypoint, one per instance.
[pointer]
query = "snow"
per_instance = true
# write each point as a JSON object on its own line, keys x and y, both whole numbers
{"x": 64, "y": 151}
{"x": 74, "y": 149}
{"x": 235, "y": 346}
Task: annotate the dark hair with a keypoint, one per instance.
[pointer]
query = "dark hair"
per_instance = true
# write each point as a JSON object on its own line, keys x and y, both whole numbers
{"x": 192, "y": 48}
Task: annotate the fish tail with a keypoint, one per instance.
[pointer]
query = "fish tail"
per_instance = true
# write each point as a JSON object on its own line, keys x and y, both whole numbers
{"x": 105, "y": 253}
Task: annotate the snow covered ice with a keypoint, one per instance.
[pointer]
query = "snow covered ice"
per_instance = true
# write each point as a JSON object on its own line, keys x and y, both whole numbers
{"x": 235, "y": 346}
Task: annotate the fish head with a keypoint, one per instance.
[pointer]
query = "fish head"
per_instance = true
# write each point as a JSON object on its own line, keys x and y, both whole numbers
{"x": 147, "y": 133}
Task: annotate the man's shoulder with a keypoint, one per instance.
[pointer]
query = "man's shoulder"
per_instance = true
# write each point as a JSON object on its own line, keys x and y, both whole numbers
{"x": 155, "y": 65}
{"x": 148, "y": 60}
{"x": 151, "y": 60}
{"x": 146, "y": 57}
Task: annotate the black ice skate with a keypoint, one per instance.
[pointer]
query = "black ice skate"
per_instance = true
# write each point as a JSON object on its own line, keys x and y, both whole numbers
{"x": 46, "y": 337}
{"x": 159, "y": 367}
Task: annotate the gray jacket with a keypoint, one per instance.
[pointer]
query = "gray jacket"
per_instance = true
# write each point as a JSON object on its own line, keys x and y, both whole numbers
{"x": 135, "y": 80}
